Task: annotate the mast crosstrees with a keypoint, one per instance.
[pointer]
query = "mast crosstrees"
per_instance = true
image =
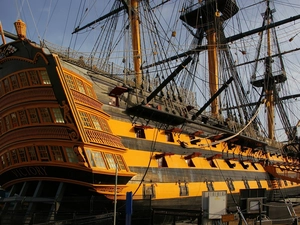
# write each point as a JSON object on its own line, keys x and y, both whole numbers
{"x": 209, "y": 16}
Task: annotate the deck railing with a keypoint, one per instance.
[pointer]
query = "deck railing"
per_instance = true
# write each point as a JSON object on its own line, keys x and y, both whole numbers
{"x": 86, "y": 60}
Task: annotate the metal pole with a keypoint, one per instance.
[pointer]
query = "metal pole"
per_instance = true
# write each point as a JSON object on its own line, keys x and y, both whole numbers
{"x": 115, "y": 198}
{"x": 241, "y": 216}
{"x": 259, "y": 209}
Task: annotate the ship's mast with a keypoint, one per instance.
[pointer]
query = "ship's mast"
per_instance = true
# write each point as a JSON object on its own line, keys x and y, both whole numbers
{"x": 270, "y": 79}
{"x": 268, "y": 73}
{"x": 209, "y": 16}
{"x": 213, "y": 67}
{"x": 2, "y": 34}
{"x": 132, "y": 7}
{"x": 136, "y": 44}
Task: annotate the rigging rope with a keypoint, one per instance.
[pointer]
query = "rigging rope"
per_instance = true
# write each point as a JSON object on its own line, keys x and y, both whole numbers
{"x": 33, "y": 20}
{"x": 238, "y": 133}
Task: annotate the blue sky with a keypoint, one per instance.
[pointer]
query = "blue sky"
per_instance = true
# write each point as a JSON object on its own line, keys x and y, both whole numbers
{"x": 53, "y": 20}
{"x": 36, "y": 17}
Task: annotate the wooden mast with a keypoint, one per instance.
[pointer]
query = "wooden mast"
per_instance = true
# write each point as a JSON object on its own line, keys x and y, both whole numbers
{"x": 270, "y": 79}
{"x": 269, "y": 82}
{"x": 209, "y": 15}
{"x": 136, "y": 43}
{"x": 2, "y": 34}
{"x": 213, "y": 67}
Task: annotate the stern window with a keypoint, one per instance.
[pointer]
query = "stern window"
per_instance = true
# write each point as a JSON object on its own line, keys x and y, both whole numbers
{"x": 57, "y": 153}
{"x": 23, "y": 79}
{"x": 71, "y": 155}
{"x": 121, "y": 163}
{"x": 43, "y": 153}
{"x": 104, "y": 125}
{"x": 58, "y": 115}
{"x": 23, "y": 117}
{"x": 7, "y": 123}
{"x": 14, "y": 156}
{"x": 45, "y": 77}
{"x": 22, "y": 154}
{"x": 14, "y": 82}
{"x": 110, "y": 160}
{"x": 14, "y": 120}
{"x": 33, "y": 116}
{"x": 34, "y": 78}
{"x": 46, "y": 117}
{"x": 99, "y": 160}
{"x": 6, "y": 85}
{"x": 96, "y": 122}
{"x": 8, "y": 159}
{"x": 32, "y": 153}
{"x": 85, "y": 119}
{"x": 90, "y": 157}
{"x": 3, "y": 161}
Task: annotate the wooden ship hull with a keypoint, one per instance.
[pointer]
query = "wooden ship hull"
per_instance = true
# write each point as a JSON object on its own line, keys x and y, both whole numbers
{"x": 75, "y": 139}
